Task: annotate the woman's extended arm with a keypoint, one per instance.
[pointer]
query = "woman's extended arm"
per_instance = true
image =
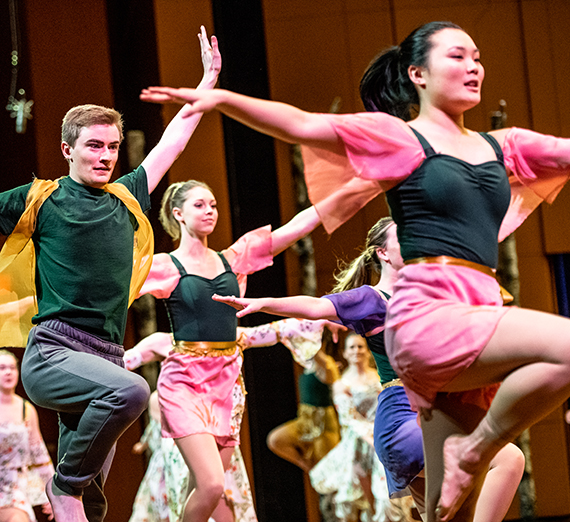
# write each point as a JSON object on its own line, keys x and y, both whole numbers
{"x": 276, "y": 119}
{"x": 326, "y": 368}
{"x": 300, "y": 306}
{"x": 180, "y": 129}
{"x": 288, "y": 234}
{"x": 154, "y": 347}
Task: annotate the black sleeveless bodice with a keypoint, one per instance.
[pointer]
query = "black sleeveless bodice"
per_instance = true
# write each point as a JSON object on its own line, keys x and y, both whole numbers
{"x": 450, "y": 207}
{"x": 193, "y": 315}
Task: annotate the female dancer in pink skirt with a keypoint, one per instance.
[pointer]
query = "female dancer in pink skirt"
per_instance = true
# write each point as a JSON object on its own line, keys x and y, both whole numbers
{"x": 200, "y": 389}
{"x": 453, "y": 194}
{"x": 168, "y": 481}
{"x": 397, "y": 434}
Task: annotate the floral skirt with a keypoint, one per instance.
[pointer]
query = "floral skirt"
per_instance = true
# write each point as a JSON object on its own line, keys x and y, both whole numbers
{"x": 339, "y": 471}
{"x": 13, "y": 491}
{"x": 201, "y": 395}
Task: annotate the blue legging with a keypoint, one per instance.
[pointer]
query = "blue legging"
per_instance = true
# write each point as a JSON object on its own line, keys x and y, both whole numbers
{"x": 398, "y": 439}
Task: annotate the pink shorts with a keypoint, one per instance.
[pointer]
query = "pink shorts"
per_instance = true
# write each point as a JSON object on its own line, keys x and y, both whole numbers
{"x": 201, "y": 395}
{"x": 439, "y": 320}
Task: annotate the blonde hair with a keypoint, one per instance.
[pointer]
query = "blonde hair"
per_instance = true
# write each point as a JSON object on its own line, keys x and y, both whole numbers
{"x": 366, "y": 267}
{"x": 87, "y": 116}
{"x": 349, "y": 335}
{"x": 9, "y": 353}
{"x": 174, "y": 197}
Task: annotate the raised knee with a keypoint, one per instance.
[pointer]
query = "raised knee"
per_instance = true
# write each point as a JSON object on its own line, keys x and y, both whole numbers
{"x": 135, "y": 397}
{"x": 517, "y": 462}
{"x": 511, "y": 460}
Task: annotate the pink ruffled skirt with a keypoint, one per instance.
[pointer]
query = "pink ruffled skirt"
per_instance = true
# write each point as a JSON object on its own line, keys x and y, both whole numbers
{"x": 202, "y": 395}
{"x": 439, "y": 320}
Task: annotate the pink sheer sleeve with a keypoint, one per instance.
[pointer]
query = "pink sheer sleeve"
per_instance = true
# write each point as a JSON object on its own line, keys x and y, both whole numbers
{"x": 539, "y": 167}
{"x": 250, "y": 253}
{"x": 379, "y": 152}
{"x": 162, "y": 278}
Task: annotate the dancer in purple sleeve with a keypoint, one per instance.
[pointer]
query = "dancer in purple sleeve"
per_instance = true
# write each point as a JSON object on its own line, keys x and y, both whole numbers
{"x": 453, "y": 193}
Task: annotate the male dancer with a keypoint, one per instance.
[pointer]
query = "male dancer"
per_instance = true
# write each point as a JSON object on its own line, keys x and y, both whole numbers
{"x": 86, "y": 238}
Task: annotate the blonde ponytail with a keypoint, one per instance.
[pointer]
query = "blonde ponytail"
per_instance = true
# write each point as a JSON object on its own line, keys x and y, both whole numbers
{"x": 366, "y": 268}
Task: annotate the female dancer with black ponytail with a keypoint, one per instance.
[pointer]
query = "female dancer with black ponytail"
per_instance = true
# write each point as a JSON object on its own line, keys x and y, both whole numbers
{"x": 453, "y": 194}
{"x": 397, "y": 435}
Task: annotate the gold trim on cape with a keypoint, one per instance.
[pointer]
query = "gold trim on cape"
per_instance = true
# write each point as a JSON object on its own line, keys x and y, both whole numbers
{"x": 17, "y": 261}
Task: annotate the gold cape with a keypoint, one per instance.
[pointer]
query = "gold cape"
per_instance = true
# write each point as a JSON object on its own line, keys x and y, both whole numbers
{"x": 18, "y": 264}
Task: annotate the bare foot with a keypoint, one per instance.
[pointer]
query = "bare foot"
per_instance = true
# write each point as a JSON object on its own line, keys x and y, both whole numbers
{"x": 459, "y": 478}
{"x": 66, "y": 508}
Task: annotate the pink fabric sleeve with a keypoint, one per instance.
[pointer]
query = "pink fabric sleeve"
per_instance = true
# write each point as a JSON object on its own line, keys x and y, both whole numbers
{"x": 251, "y": 252}
{"x": 379, "y": 152}
{"x": 162, "y": 278}
{"x": 539, "y": 167}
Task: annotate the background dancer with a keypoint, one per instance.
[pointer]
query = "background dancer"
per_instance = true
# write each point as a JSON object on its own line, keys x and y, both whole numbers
{"x": 306, "y": 439}
{"x": 351, "y": 471}
{"x": 25, "y": 464}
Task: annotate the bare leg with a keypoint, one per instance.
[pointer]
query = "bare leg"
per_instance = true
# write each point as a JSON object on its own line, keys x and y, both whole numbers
{"x": 417, "y": 489}
{"x": 436, "y": 431}
{"x": 366, "y": 485}
{"x": 224, "y": 511}
{"x": 284, "y": 442}
{"x": 8, "y": 514}
{"x": 202, "y": 456}
{"x": 500, "y": 485}
{"x": 66, "y": 508}
{"x": 530, "y": 353}
{"x": 498, "y": 490}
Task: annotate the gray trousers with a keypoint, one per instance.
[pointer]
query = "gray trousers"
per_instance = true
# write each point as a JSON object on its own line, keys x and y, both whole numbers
{"x": 82, "y": 378}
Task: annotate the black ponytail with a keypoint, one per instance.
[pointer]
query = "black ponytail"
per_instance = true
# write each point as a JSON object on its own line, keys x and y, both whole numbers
{"x": 386, "y": 86}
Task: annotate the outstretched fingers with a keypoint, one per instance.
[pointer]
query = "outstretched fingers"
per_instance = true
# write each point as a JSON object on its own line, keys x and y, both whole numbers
{"x": 158, "y": 95}
{"x": 231, "y": 300}
{"x": 211, "y": 57}
{"x": 243, "y": 305}
{"x": 196, "y": 100}
{"x": 334, "y": 328}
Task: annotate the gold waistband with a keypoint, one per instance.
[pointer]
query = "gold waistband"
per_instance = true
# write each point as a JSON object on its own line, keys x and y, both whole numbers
{"x": 393, "y": 382}
{"x": 448, "y": 260}
{"x": 205, "y": 348}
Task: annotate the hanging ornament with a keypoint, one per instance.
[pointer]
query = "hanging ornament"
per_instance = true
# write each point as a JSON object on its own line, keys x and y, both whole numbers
{"x": 18, "y": 106}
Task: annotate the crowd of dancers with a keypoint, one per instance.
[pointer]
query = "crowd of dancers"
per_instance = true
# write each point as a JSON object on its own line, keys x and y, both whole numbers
{"x": 449, "y": 356}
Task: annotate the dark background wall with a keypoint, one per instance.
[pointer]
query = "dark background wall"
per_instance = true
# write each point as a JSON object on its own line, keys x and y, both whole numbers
{"x": 304, "y": 53}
